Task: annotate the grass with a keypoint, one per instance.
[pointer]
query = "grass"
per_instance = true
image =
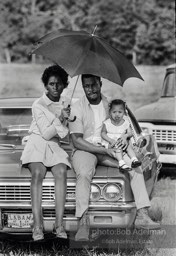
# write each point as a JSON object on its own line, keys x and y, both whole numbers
{"x": 18, "y": 80}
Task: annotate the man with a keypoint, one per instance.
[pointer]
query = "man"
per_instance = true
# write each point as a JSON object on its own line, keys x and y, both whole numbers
{"x": 90, "y": 112}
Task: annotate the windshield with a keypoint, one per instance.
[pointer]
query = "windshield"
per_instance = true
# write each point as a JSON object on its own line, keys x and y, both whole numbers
{"x": 14, "y": 124}
{"x": 169, "y": 86}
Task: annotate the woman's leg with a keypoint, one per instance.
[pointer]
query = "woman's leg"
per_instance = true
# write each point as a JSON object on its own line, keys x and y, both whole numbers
{"x": 60, "y": 175}
{"x": 38, "y": 171}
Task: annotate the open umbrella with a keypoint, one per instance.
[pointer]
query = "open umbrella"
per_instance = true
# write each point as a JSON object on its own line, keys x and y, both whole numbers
{"x": 79, "y": 52}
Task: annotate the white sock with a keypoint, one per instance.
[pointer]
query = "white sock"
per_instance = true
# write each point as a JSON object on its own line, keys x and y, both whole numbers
{"x": 134, "y": 159}
{"x": 121, "y": 162}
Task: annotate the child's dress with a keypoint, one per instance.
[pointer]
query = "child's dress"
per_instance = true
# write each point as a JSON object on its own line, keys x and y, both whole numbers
{"x": 113, "y": 131}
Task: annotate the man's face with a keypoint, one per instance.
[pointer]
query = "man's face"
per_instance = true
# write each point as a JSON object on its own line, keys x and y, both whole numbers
{"x": 92, "y": 89}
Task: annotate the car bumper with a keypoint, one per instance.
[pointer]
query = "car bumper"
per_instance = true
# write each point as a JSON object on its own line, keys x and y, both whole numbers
{"x": 118, "y": 216}
{"x": 167, "y": 159}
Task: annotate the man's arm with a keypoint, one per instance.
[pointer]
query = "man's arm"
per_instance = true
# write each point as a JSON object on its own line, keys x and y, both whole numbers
{"x": 82, "y": 144}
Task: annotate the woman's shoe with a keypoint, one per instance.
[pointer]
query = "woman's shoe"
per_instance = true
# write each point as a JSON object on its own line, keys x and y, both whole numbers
{"x": 60, "y": 232}
{"x": 135, "y": 164}
{"x": 37, "y": 233}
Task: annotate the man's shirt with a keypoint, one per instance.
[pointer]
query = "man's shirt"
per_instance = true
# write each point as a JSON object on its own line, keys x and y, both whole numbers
{"x": 86, "y": 122}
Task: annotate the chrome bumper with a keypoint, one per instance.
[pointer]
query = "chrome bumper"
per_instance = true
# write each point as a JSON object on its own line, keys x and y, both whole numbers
{"x": 116, "y": 216}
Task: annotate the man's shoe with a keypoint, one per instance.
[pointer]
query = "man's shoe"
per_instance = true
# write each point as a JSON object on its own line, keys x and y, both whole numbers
{"x": 60, "y": 232}
{"x": 84, "y": 229}
{"x": 37, "y": 233}
{"x": 144, "y": 221}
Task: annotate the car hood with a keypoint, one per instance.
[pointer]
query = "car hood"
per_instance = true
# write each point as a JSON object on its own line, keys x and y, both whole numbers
{"x": 10, "y": 166}
{"x": 162, "y": 110}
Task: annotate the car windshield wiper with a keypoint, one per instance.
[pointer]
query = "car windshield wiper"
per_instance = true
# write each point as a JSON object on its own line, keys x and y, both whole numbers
{"x": 7, "y": 146}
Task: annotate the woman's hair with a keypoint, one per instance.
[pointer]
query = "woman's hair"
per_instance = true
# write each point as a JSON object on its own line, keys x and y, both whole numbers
{"x": 56, "y": 71}
{"x": 117, "y": 102}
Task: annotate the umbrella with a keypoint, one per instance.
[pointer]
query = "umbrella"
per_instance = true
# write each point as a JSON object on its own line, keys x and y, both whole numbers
{"x": 80, "y": 52}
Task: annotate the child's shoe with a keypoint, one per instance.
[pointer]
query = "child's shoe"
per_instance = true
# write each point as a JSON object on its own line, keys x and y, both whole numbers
{"x": 124, "y": 167}
{"x": 135, "y": 163}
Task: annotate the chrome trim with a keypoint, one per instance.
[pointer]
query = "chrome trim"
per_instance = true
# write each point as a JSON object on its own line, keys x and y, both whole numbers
{"x": 71, "y": 206}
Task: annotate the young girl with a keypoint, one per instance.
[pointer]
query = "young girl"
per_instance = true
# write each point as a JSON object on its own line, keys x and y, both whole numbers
{"x": 114, "y": 128}
{"x": 43, "y": 152}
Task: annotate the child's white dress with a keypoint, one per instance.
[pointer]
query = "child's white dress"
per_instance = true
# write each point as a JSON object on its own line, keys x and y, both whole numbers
{"x": 113, "y": 131}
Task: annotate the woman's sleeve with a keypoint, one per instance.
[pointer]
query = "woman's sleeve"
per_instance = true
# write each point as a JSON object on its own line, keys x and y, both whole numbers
{"x": 48, "y": 127}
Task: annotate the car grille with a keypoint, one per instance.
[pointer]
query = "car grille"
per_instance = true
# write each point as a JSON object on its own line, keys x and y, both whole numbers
{"x": 22, "y": 193}
{"x": 164, "y": 135}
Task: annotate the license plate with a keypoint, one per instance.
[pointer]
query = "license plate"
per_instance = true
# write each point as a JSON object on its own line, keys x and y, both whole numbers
{"x": 19, "y": 220}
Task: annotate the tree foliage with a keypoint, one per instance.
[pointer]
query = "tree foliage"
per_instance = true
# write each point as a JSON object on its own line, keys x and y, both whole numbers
{"x": 135, "y": 27}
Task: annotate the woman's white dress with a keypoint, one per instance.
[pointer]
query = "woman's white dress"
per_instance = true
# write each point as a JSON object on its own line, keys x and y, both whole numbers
{"x": 45, "y": 132}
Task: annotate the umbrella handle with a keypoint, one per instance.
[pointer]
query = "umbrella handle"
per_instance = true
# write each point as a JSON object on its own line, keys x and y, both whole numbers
{"x": 74, "y": 118}
{"x": 71, "y": 119}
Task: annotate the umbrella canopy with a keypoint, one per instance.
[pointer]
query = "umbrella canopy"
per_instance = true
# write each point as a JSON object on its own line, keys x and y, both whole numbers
{"x": 79, "y": 52}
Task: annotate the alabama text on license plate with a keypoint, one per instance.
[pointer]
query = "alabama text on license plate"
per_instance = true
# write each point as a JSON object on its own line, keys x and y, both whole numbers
{"x": 22, "y": 220}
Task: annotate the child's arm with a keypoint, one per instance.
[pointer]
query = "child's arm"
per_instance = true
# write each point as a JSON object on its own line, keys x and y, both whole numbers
{"x": 106, "y": 137}
{"x": 128, "y": 133}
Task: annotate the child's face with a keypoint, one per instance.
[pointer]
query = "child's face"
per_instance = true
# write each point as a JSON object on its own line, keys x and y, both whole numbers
{"x": 117, "y": 112}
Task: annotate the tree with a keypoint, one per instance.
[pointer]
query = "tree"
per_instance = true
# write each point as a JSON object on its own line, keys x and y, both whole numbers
{"x": 155, "y": 40}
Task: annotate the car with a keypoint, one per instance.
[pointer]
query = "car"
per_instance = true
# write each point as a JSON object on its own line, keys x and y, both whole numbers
{"x": 159, "y": 119}
{"x": 111, "y": 203}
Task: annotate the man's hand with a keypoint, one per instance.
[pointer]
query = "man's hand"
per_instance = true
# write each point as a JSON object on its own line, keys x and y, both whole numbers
{"x": 122, "y": 142}
{"x": 112, "y": 143}
{"x": 111, "y": 152}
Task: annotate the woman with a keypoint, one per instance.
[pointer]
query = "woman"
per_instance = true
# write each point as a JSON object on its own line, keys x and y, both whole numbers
{"x": 43, "y": 150}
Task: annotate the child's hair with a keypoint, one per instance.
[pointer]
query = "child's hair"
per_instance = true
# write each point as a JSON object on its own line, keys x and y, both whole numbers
{"x": 117, "y": 102}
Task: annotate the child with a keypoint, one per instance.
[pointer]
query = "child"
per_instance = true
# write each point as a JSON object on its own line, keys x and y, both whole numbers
{"x": 115, "y": 127}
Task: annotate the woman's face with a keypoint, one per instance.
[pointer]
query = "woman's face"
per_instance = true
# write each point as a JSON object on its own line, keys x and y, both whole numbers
{"x": 54, "y": 88}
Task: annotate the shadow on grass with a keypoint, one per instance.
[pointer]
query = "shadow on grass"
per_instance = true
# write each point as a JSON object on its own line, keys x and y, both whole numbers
{"x": 103, "y": 242}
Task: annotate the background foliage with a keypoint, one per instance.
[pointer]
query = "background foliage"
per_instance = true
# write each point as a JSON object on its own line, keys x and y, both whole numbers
{"x": 142, "y": 30}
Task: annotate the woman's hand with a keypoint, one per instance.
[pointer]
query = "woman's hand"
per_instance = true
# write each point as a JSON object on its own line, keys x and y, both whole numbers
{"x": 65, "y": 112}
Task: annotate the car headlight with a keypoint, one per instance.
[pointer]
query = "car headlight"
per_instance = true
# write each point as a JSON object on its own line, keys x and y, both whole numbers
{"x": 112, "y": 192}
{"x": 95, "y": 193}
